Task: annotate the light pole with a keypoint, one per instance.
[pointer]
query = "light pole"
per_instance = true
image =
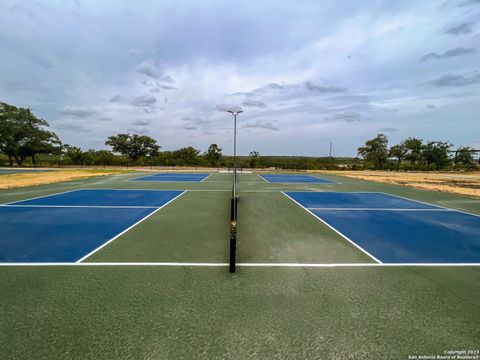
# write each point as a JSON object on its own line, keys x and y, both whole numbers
{"x": 235, "y": 114}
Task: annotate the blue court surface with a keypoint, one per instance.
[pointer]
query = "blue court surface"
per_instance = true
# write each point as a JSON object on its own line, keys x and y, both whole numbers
{"x": 397, "y": 230}
{"x": 66, "y": 227}
{"x": 296, "y": 178}
{"x": 173, "y": 177}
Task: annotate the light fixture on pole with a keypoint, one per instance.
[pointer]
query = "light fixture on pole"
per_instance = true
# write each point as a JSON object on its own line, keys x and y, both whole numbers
{"x": 235, "y": 114}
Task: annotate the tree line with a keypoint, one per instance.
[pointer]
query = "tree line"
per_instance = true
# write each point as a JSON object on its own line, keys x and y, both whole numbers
{"x": 26, "y": 139}
{"x": 414, "y": 154}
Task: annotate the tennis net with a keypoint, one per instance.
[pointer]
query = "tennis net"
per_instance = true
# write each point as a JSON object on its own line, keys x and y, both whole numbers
{"x": 233, "y": 224}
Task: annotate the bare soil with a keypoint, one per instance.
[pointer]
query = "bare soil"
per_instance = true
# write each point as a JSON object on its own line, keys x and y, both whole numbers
{"x": 17, "y": 180}
{"x": 462, "y": 183}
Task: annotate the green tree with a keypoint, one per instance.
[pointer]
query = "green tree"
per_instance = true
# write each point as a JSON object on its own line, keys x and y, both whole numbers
{"x": 413, "y": 148}
{"x": 398, "y": 151}
{"x": 213, "y": 154}
{"x": 436, "y": 152}
{"x": 23, "y": 135}
{"x": 464, "y": 157}
{"x": 74, "y": 154}
{"x": 186, "y": 156}
{"x": 375, "y": 151}
{"x": 133, "y": 146}
{"x": 253, "y": 158}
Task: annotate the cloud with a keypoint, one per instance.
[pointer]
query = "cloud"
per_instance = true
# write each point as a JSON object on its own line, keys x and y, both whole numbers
{"x": 456, "y": 80}
{"x": 469, "y": 2}
{"x": 160, "y": 87}
{"x": 345, "y": 116}
{"x": 463, "y": 28}
{"x": 144, "y": 101}
{"x": 105, "y": 118}
{"x": 195, "y": 120}
{"x": 228, "y": 107}
{"x": 260, "y": 124}
{"x": 388, "y": 129}
{"x": 189, "y": 126}
{"x": 142, "y": 122}
{"x": 430, "y": 106}
{"x": 148, "y": 70}
{"x": 321, "y": 89}
{"x": 118, "y": 99}
{"x": 20, "y": 86}
{"x": 254, "y": 103}
{"x": 77, "y": 111}
{"x": 459, "y": 51}
{"x": 134, "y": 52}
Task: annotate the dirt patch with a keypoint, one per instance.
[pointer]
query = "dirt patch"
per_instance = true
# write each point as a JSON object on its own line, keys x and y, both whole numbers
{"x": 39, "y": 178}
{"x": 452, "y": 182}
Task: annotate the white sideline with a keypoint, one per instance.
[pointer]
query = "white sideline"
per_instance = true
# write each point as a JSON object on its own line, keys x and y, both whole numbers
{"x": 127, "y": 229}
{"x": 373, "y": 209}
{"x": 331, "y": 227}
{"x": 206, "y": 264}
{"x": 80, "y": 206}
{"x": 40, "y": 197}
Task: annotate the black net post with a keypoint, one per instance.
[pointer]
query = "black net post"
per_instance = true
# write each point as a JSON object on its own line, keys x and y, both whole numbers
{"x": 233, "y": 234}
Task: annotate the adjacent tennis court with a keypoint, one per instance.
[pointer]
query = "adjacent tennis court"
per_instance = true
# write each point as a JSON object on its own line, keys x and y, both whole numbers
{"x": 174, "y": 177}
{"x": 294, "y": 178}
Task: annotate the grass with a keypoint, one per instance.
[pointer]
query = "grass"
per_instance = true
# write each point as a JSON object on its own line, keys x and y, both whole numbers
{"x": 257, "y": 313}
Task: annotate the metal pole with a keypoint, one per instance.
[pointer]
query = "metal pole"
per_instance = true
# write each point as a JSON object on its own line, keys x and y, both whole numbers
{"x": 234, "y": 142}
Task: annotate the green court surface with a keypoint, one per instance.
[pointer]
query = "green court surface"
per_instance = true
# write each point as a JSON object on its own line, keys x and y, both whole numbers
{"x": 345, "y": 307}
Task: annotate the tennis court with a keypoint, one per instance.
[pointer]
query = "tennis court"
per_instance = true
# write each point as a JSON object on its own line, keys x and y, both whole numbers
{"x": 395, "y": 230}
{"x": 174, "y": 177}
{"x": 294, "y": 178}
{"x": 109, "y": 267}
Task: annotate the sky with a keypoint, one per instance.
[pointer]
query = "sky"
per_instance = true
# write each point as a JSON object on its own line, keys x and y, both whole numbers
{"x": 306, "y": 73}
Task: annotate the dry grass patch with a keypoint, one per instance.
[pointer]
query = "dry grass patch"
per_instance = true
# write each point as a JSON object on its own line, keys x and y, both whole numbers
{"x": 17, "y": 180}
{"x": 452, "y": 182}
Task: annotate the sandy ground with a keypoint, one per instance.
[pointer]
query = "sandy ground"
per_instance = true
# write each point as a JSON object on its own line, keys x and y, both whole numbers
{"x": 463, "y": 183}
{"x": 17, "y": 180}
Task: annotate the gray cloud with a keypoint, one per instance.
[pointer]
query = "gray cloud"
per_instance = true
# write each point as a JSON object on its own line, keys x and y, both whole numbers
{"x": 260, "y": 124}
{"x": 346, "y": 116}
{"x": 142, "y": 122}
{"x": 148, "y": 70}
{"x": 105, "y": 118}
{"x": 469, "y": 2}
{"x": 463, "y": 28}
{"x": 322, "y": 89}
{"x": 189, "y": 126}
{"x": 430, "y": 106}
{"x": 228, "y": 107}
{"x": 77, "y": 111}
{"x": 459, "y": 51}
{"x": 144, "y": 101}
{"x": 388, "y": 129}
{"x": 118, "y": 99}
{"x": 456, "y": 80}
{"x": 254, "y": 103}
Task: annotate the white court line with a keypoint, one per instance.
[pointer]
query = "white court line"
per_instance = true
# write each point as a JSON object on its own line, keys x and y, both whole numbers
{"x": 331, "y": 227}
{"x": 78, "y": 206}
{"x": 41, "y": 197}
{"x": 261, "y": 177}
{"x": 129, "y": 228}
{"x": 167, "y": 181}
{"x": 205, "y": 178}
{"x": 373, "y": 209}
{"x": 206, "y": 264}
{"x": 425, "y": 203}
